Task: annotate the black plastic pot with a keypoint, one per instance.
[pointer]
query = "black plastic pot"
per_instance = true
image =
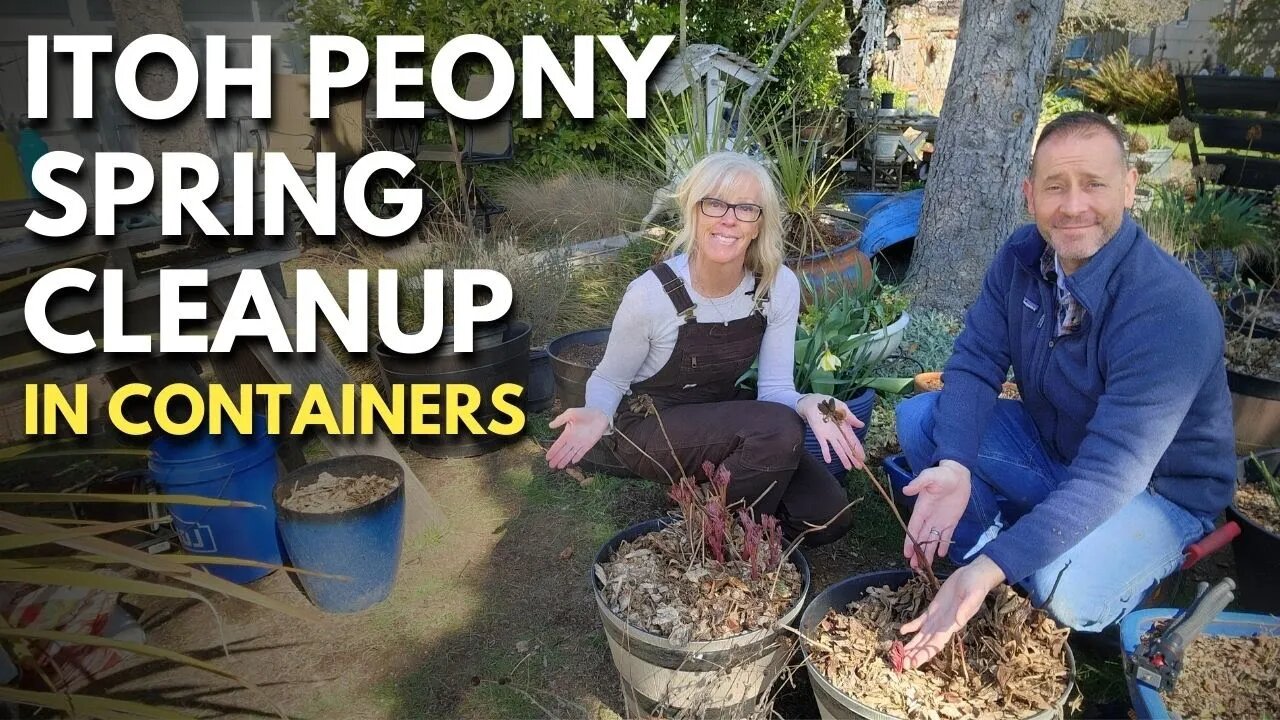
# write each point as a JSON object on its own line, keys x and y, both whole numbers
{"x": 712, "y": 679}
{"x": 541, "y": 390}
{"x": 1257, "y": 550}
{"x": 485, "y": 369}
{"x": 1237, "y": 322}
{"x": 833, "y": 703}
{"x": 571, "y": 377}
{"x": 1255, "y": 410}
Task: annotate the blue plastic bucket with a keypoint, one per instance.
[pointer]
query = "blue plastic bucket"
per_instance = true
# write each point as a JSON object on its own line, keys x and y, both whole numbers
{"x": 361, "y": 545}
{"x": 229, "y": 466}
{"x": 1147, "y": 702}
{"x": 861, "y": 404}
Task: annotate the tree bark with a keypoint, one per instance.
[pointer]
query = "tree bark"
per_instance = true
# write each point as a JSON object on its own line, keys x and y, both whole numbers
{"x": 157, "y": 78}
{"x": 973, "y": 196}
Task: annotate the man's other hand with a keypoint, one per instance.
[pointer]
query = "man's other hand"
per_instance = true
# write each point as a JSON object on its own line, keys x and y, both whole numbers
{"x": 956, "y": 602}
{"x": 943, "y": 495}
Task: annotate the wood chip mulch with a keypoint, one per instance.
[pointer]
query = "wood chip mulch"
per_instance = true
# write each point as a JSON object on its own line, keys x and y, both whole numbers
{"x": 660, "y": 584}
{"x": 1014, "y": 658}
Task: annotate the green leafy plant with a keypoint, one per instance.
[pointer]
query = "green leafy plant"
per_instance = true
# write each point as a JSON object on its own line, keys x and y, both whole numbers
{"x": 1268, "y": 478}
{"x": 805, "y": 176}
{"x": 31, "y": 556}
{"x": 1135, "y": 92}
{"x": 1211, "y": 220}
{"x": 1054, "y": 103}
{"x": 837, "y": 351}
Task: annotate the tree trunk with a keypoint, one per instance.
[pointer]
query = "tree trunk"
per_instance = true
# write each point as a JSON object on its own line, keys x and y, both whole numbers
{"x": 157, "y": 79}
{"x": 973, "y": 196}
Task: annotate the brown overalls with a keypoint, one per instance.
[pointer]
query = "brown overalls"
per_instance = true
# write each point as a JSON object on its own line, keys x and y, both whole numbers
{"x": 708, "y": 418}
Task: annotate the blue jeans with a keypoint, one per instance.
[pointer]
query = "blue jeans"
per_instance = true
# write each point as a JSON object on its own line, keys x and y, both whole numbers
{"x": 1108, "y": 573}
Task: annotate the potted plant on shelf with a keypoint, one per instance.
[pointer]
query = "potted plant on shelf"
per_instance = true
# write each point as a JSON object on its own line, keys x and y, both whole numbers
{"x": 1256, "y": 508}
{"x": 695, "y": 606}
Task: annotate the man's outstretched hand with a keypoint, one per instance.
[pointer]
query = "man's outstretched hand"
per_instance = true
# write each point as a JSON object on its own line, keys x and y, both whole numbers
{"x": 957, "y": 602}
{"x": 942, "y": 494}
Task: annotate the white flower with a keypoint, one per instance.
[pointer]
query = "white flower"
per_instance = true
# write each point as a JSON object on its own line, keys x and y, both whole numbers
{"x": 829, "y": 360}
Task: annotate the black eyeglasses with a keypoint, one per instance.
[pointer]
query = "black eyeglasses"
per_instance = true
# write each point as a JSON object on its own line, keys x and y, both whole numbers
{"x": 746, "y": 212}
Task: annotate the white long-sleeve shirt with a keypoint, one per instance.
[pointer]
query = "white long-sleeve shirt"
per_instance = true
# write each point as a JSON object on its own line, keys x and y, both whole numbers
{"x": 646, "y": 326}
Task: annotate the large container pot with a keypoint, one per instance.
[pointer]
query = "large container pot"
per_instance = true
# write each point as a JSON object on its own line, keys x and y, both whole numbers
{"x": 540, "y": 393}
{"x": 882, "y": 343}
{"x": 1235, "y": 316}
{"x": 1255, "y": 410}
{"x": 712, "y": 679}
{"x": 834, "y": 704}
{"x": 1257, "y": 549}
{"x": 1147, "y": 702}
{"x": 229, "y": 466}
{"x": 570, "y": 376}
{"x": 361, "y": 545}
{"x": 845, "y": 264}
{"x": 570, "y": 379}
{"x": 485, "y": 369}
{"x": 861, "y": 404}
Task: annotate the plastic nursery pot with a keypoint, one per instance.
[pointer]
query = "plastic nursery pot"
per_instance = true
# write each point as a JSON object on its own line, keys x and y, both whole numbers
{"x": 862, "y": 403}
{"x": 540, "y": 393}
{"x": 1257, "y": 550}
{"x": 836, "y": 705}
{"x": 361, "y": 545}
{"x": 715, "y": 678}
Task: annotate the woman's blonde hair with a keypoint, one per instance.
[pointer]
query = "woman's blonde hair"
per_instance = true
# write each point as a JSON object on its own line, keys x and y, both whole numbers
{"x": 707, "y": 178}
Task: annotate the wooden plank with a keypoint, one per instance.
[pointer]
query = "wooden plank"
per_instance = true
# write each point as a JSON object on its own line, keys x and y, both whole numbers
{"x": 1219, "y": 131}
{"x": 322, "y": 368}
{"x": 29, "y": 250}
{"x": 1254, "y": 173}
{"x": 15, "y": 320}
{"x": 1222, "y": 92}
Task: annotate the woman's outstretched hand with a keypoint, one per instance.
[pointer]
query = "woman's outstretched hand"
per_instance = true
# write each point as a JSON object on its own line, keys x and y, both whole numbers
{"x": 583, "y": 428}
{"x": 833, "y": 424}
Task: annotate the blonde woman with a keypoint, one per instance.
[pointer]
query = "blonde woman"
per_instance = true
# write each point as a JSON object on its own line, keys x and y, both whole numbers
{"x": 684, "y": 333}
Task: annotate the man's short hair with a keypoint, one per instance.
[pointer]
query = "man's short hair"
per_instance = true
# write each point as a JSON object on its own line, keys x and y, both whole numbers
{"x": 1081, "y": 122}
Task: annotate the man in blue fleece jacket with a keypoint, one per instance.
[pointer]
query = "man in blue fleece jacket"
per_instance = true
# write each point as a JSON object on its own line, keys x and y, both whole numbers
{"x": 1120, "y": 453}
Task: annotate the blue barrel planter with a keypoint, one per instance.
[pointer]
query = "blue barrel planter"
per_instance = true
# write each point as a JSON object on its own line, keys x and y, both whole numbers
{"x": 892, "y": 221}
{"x": 229, "y": 466}
{"x": 361, "y": 545}
{"x": 861, "y": 404}
{"x": 860, "y": 203}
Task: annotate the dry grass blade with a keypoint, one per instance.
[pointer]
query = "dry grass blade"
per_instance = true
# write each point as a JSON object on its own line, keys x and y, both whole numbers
{"x": 95, "y": 580}
{"x": 155, "y": 563}
{"x": 13, "y": 498}
{"x": 17, "y": 541}
{"x": 73, "y": 560}
{"x": 88, "y": 705}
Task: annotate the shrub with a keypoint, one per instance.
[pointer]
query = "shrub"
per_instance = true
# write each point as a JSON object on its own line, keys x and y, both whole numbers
{"x": 1138, "y": 94}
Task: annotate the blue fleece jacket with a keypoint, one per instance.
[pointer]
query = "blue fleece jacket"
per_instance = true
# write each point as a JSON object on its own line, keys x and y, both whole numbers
{"x": 1136, "y": 397}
